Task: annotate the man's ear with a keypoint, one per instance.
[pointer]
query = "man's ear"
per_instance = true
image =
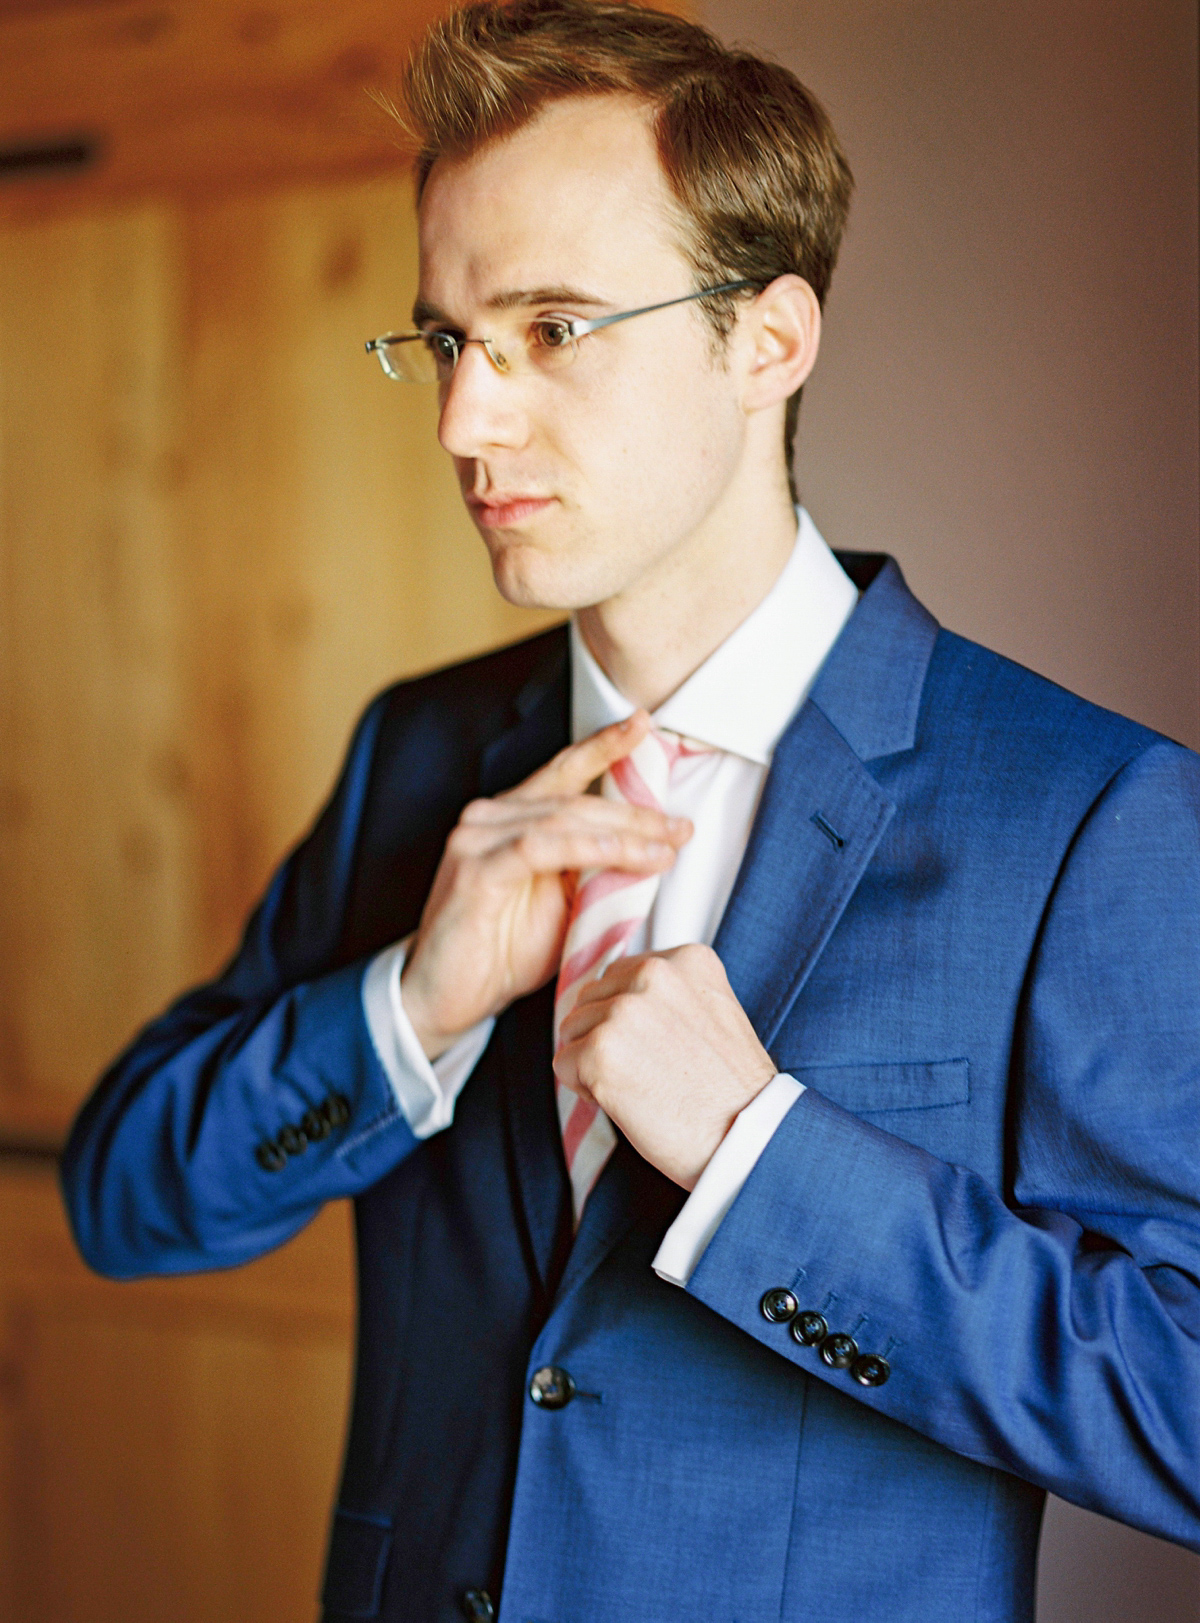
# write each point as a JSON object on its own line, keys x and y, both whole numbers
{"x": 782, "y": 333}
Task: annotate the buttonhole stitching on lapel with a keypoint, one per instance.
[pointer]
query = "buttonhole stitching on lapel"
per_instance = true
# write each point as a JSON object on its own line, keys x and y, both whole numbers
{"x": 827, "y": 1304}
{"x": 827, "y": 828}
{"x": 798, "y": 1278}
{"x": 889, "y": 1348}
{"x": 857, "y": 1325}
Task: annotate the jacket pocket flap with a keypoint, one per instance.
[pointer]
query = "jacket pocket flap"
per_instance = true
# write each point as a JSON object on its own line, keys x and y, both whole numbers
{"x": 869, "y": 1089}
{"x": 358, "y": 1553}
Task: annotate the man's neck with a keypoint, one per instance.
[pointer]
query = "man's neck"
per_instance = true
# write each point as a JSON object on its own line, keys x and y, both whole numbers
{"x": 649, "y": 640}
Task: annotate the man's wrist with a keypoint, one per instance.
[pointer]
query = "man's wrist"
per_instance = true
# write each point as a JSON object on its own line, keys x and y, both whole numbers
{"x": 434, "y": 1043}
{"x": 718, "y": 1186}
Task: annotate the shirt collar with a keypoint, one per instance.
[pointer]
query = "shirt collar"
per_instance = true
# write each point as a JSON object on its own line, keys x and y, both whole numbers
{"x": 747, "y": 690}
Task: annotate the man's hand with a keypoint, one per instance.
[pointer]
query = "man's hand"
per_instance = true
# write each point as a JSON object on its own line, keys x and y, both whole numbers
{"x": 493, "y": 925}
{"x": 667, "y": 1052}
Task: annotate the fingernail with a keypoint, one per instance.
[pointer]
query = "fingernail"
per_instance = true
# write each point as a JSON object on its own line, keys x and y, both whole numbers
{"x": 677, "y": 823}
{"x": 659, "y": 848}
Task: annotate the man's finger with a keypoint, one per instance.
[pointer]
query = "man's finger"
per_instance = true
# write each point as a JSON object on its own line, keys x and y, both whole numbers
{"x": 577, "y": 811}
{"x": 572, "y": 769}
{"x": 555, "y": 851}
{"x": 618, "y": 977}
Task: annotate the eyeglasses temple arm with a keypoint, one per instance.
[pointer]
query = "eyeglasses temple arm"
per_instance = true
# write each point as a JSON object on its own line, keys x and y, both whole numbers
{"x": 582, "y": 328}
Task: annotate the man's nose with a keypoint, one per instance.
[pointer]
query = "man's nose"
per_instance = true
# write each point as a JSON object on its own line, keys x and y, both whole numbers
{"x": 481, "y": 407}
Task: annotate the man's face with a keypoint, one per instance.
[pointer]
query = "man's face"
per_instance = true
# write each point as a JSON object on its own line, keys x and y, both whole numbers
{"x": 588, "y": 481}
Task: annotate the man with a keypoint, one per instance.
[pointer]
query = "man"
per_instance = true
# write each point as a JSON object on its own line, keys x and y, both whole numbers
{"x": 776, "y": 1171}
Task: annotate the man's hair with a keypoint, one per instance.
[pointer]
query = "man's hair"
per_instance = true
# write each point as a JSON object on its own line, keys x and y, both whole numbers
{"x": 761, "y": 183}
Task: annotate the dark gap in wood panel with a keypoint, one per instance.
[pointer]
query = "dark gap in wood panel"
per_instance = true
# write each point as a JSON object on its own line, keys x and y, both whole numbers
{"x": 34, "y": 160}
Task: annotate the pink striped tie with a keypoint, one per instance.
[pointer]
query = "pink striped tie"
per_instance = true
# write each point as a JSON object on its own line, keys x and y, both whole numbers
{"x": 607, "y": 910}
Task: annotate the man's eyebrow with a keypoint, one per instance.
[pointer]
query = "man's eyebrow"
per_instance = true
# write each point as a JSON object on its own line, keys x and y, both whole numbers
{"x": 522, "y": 297}
{"x": 424, "y": 311}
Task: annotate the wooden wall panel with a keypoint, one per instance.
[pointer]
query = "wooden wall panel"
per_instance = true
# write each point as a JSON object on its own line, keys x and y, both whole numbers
{"x": 221, "y": 530}
{"x": 198, "y": 95}
{"x": 168, "y": 1449}
{"x": 95, "y": 843}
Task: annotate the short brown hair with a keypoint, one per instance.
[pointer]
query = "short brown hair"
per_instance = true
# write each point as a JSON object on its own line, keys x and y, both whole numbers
{"x": 750, "y": 155}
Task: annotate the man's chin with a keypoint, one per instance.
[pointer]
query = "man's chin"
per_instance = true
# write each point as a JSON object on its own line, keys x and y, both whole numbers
{"x": 529, "y": 579}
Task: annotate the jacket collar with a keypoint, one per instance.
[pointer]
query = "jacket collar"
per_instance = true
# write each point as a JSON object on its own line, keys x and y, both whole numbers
{"x": 870, "y": 686}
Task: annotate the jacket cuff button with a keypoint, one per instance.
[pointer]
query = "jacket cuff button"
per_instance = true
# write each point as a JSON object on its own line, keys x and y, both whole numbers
{"x": 269, "y": 1156}
{"x": 314, "y": 1126}
{"x": 779, "y": 1306}
{"x": 839, "y": 1351}
{"x": 292, "y": 1141}
{"x": 809, "y": 1329}
{"x": 870, "y": 1369}
{"x": 336, "y": 1110}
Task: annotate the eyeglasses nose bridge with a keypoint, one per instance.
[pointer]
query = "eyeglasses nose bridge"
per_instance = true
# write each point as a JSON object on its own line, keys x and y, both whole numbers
{"x": 499, "y": 361}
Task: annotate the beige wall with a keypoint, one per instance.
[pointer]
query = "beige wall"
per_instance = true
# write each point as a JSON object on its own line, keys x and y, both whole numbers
{"x": 1007, "y": 398}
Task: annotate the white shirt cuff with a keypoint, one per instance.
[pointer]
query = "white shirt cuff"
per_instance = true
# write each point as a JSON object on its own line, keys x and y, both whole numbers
{"x": 720, "y": 1183}
{"x": 425, "y": 1092}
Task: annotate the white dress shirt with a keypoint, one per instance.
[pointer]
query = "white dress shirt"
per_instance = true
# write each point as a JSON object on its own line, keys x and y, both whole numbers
{"x": 738, "y": 702}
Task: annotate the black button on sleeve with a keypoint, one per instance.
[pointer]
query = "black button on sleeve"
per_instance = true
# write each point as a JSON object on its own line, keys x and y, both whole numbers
{"x": 314, "y": 1126}
{"x": 477, "y": 1606}
{"x": 269, "y": 1156}
{"x": 839, "y": 1351}
{"x": 292, "y": 1141}
{"x": 779, "y": 1306}
{"x": 870, "y": 1369}
{"x": 809, "y": 1329}
{"x": 551, "y": 1387}
{"x": 336, "y": 1110}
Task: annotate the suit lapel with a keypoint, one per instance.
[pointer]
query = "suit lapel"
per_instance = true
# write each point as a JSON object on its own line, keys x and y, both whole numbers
{"x": 538, "y": 728}
{"x": 628, "y": 1190}
{"x": 819, "y": 821}
{"x": 822, "y": 812}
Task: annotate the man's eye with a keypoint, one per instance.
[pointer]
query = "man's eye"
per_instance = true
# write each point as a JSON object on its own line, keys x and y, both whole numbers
{"x": 550, "y": 333}
{"x": 443, "y": 346}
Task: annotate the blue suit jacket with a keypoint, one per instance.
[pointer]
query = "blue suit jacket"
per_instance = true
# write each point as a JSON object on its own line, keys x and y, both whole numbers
{"x": 969, "y": 920}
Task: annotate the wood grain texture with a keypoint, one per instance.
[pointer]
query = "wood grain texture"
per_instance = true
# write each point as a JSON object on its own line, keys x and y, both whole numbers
{"x": 168, "y": 1448}
{"x": 221, "y": 530}
{"x": 196, "y": 96}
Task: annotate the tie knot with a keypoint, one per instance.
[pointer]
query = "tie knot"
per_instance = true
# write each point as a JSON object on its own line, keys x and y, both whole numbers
{"x": 675, "y": 746}
{"x": 642, "y": 776}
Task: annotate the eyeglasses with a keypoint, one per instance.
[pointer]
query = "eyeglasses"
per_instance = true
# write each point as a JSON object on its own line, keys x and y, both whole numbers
{"x": 546, "y": 344}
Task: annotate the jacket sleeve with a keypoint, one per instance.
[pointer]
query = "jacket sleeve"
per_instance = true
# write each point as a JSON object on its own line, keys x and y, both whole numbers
{"x": 235, "y": 1115}
{"x": 1056, "y": 1333}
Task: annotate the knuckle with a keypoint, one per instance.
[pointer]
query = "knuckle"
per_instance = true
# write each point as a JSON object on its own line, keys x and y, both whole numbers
{"x": 652, "y": 973}
{"x": 525, "y": 846}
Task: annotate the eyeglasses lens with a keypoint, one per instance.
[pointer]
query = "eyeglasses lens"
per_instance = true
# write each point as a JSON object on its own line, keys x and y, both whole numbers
{"x": 544, "y": 346}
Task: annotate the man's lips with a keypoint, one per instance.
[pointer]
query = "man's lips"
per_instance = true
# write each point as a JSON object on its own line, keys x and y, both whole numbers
{"x": 497, "y": 512}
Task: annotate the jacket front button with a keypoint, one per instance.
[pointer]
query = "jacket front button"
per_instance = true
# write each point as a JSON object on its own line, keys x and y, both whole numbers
{"x": 477, "y": 1606}
{"x": 779, "y": 1306}
{"x": 551, "y": 1387}
{"x": 870, "y": 1370}
{"x": 839, "y": 1351}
